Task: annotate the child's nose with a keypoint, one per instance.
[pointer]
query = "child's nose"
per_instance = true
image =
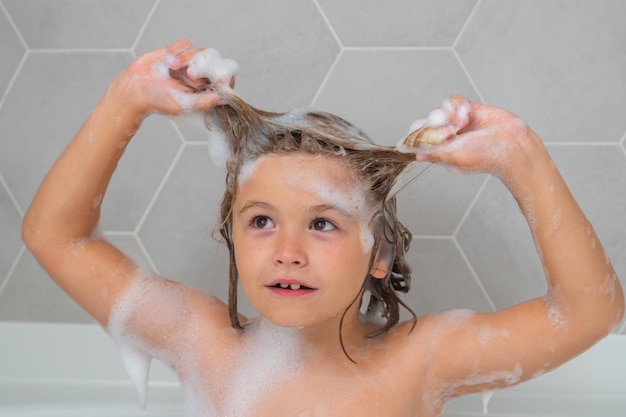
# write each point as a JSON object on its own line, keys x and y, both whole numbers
{"x": 290, "y": 250}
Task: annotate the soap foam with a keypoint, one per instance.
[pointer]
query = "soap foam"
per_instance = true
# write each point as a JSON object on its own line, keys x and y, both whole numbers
{"x": 219, "y": 147}
{"x": 137, "y": 303}
{"x": 608, "y": 286}
{"x": 557, "y": 308}
{"x": 351, "y": 202}
{"x": 270, "y": 357}
{"x": 445, "y": 123}
{"x": 486, "y": 397}
{"x": 210, "y": 64}
{"x": 508, "y": 377}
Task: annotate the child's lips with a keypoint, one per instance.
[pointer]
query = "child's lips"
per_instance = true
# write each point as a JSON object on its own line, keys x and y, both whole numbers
{"x": 290, "y": 287}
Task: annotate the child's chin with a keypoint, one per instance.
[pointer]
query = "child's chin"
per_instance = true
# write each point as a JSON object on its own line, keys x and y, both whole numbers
{"x": 292, "y": 321}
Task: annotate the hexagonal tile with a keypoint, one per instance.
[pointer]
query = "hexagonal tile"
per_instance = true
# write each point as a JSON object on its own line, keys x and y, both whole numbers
{"x": 56, "y": 102}
{"x": 397, "y": 22}
{"x": 11, "y": 241}
{"x": 79, "y": 24}
{"x": 177, "y": 232}
{"x": 140, "y": 173}
{"x": 435, "y": 202}
{"x": 284, "y": 48}
{"x": 441, "y": 279}
{"x": 558, "y": 65}
{"x": 12, "y": 53}
{"x": 384, "y": 91}
{"x": 497, "y": 242}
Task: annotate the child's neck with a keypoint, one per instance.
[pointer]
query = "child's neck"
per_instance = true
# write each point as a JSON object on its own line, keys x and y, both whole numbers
{"x": 322, "y": 341}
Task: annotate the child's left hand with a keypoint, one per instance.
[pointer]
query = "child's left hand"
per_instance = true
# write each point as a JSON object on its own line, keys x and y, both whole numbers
{"x": 489, "y": 140}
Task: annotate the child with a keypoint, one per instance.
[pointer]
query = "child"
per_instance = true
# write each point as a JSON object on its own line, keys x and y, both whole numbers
{"x": 309, "y": 218}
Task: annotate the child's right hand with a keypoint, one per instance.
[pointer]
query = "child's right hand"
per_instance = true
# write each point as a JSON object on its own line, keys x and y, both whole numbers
{"x": 146, "y": 85}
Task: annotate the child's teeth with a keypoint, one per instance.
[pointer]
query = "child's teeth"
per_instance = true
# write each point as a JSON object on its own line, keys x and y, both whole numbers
{"x": 295, "y": 286}
{"x": 284, "y": 285}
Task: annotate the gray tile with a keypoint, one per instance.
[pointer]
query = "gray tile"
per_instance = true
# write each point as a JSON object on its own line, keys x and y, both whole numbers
{"x": 384, "y": 91}
{"x": 10, "y": 240}
{"x": 44, "y": 109}
{"x": 59, "y": 102}
{"x": 497, "y": 242}
{"x": 397, "y": 22}
{"x": 78, "y": 23}
{"x": 559, "y": 65}
{"x": 31, "y": 295}
{"x": 441, "y": 279}
{"x": 139, "y": 174}
{"x": 436, "y": 201}
{"x": 284, "y": 48}
{"x": 177, "y": 232}
{"x": 193, "y": 130}
{"x": 12, "y": 53}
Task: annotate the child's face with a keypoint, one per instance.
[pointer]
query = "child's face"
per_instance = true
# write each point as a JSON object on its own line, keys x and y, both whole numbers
{"x": 301, "y": 238}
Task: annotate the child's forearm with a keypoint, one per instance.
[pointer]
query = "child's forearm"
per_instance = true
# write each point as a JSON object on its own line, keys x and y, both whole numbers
{"x": 67, "y": 205}
{"x": 584, "y": 293}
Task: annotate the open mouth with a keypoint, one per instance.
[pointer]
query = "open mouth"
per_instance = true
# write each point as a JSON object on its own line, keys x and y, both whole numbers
{"x": 286, "y": 286}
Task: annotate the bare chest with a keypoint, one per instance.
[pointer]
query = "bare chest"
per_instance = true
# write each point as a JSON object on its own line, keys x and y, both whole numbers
{"x": 306, "y": 390}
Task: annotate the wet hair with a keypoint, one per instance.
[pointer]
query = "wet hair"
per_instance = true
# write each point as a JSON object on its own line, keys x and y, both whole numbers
{"x": 251, "y": 133}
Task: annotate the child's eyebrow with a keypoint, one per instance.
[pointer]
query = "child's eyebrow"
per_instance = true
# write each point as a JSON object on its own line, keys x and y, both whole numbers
{"x": 256, "y": 204}
{"x": 324, "y": 207}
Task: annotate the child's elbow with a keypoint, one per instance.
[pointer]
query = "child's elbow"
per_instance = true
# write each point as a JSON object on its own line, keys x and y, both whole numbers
{"x": 619, "y": 301}
{"x": 31, "y": 234}
{"x": 615, "y": 306}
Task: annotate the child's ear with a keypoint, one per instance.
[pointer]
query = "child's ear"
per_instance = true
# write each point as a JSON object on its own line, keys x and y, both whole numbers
{"x": 383, "y": 260}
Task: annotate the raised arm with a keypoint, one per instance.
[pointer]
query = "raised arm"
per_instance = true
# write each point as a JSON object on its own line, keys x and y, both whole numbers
{"x": 584, "y": 299}
{"x": 59, "y": 228}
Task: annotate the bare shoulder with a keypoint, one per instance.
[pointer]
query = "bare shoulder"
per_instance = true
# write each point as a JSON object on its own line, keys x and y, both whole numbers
{"x": 461, "y": 351}
{"x": 168, "y": 317}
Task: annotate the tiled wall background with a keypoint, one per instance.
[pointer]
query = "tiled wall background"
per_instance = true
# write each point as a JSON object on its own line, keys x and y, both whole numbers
{"x": 561, "y": 65}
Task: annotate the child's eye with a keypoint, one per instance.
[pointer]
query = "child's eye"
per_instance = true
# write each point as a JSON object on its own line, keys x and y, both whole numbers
{"x": 322, "y": 225}
{"x": 261, "y": 222}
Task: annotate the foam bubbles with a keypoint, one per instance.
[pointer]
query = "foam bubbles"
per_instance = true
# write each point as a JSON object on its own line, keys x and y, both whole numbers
{"x": 186, "y": 101}
{"x": 137, "y": 364}
{"x": 269, "y": 357}
{"x": 509, "y": 377}
{"x": 351, "y": 201}
{"x": 440, "y": 125}
{"x": 210, "y": 64}
{"x": 437, "y": 118}
{"x": 555, "y": 223}
{"x": 485, "y": 334}
{"x": 608, "y": 286}
{"x": 486, "y": 397}
{"x": 219, "y": 147}
{"x": 557, "y": 308}
{"x": 246, "y": 171}
{"x": 134, "y": 310}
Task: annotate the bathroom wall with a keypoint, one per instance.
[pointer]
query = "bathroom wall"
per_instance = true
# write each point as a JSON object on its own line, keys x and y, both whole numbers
{"x": 560, "y": 65}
